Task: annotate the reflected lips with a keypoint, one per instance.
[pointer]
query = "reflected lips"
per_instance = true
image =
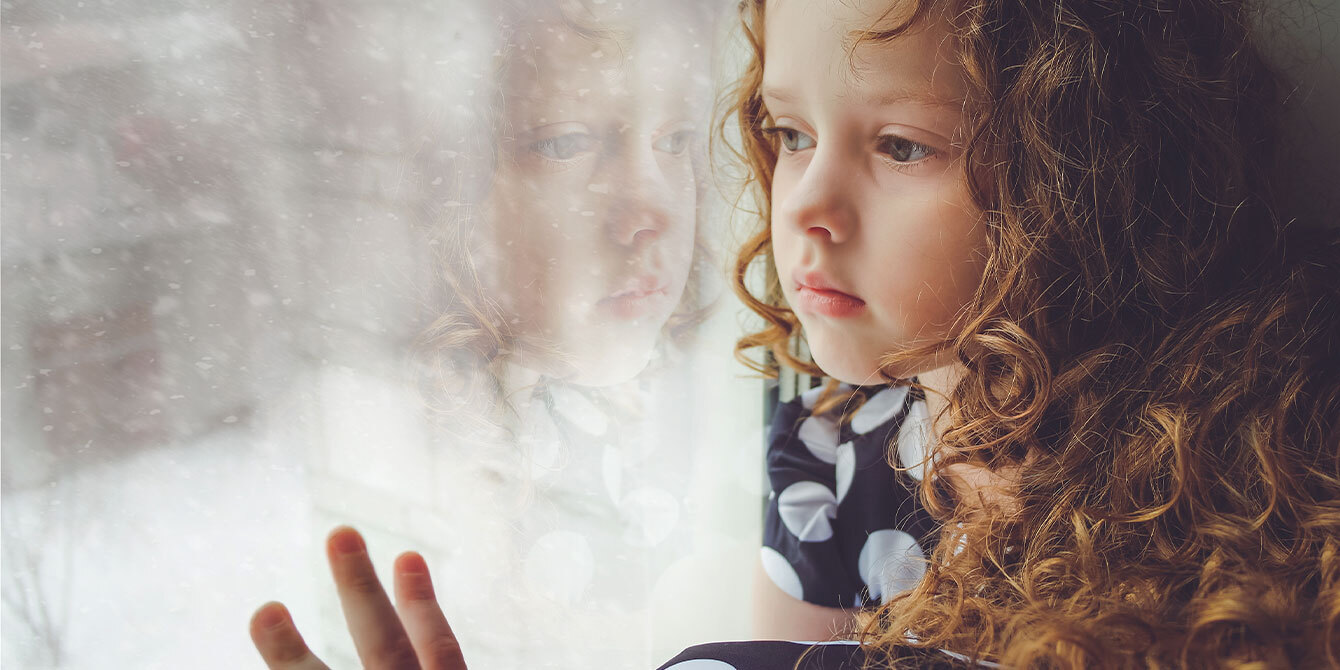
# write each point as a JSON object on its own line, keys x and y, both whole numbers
{"x": 638, "y": 298}
{"x": 816, "y": 294}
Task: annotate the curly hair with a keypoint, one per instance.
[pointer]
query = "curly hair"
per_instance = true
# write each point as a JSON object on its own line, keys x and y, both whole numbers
{"x": 1150, "y": 333}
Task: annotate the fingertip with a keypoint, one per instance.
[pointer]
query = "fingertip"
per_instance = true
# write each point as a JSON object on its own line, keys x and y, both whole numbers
{"x": 413, "y": 582}
{"x": 269, "y": 618}
{"x": 411, "y": 563}
{"x": 344, "y": 540}
{"x": 276, "y": 638}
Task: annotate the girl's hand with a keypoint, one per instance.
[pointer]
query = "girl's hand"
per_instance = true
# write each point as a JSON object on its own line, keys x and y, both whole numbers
{"x": 417, "y": 637}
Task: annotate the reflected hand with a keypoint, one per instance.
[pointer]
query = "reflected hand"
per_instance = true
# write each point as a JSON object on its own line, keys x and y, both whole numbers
{"x": 417, "y": 637}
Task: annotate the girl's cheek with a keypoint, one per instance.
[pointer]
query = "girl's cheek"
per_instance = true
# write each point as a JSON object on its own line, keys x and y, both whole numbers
{"x": 781, "y": 242}
{"x": 782, "y": 184}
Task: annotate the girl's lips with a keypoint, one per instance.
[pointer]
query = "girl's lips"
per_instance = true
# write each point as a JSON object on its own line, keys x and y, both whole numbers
{"x": 815, "y": 293}
{"x": 634, "y": 303}
{"x": 827, "y": 302}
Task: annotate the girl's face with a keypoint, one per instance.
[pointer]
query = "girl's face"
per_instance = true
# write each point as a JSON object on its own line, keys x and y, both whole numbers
{"x": 877, "y": 242}
{"x": 594, "y": 199}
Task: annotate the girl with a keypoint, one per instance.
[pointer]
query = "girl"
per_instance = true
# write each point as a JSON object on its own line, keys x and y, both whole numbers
{"x": 1059, "y": 218}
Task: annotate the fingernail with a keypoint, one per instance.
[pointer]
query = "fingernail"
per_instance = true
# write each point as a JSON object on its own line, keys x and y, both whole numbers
{"x": 347, "y": 542}
{"x": 272, "y": 616}
{"x": 413, "y": 564}
{"x": 412, "y": 578}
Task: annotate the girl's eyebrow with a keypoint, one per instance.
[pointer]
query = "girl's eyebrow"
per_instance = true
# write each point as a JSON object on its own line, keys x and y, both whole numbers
{"x": 903, "y": 96}
{"x": 778, "y": 94}
{"x": 885, "y": 98}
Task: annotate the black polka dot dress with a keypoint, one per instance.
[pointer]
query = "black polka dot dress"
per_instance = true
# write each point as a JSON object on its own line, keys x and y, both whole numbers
{"x": 778, "y": 655}
{"x": 844, "y": 528}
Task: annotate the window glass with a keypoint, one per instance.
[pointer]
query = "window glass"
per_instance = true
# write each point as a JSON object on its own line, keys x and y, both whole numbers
{"x": 449, "y": 272}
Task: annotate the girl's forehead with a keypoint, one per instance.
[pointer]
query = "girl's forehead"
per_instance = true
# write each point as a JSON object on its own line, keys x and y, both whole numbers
{"x": 821, "y": 42}
{"x": 845, "y": 15}
{"x": 553, "y": 60}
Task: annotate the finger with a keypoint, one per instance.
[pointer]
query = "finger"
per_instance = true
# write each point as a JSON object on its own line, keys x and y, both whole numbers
{"x": 278, "y": 641}
{"x": 428, "y": 629}
{"x": 378, "y": 635}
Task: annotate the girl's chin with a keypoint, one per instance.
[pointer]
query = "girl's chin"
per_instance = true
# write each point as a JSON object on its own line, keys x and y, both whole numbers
{"x": 610, "y": 364}
{"x": 843, "y": 367}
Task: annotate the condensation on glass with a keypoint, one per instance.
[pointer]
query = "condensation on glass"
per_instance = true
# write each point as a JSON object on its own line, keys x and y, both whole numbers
{"x": 449, "y": 272}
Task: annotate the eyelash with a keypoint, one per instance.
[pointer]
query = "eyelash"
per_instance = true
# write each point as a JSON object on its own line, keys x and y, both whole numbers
{"x": 543, "y": 148}
{"x": 571, "y": 147}
{"x": 778, "y": 133}
{"x": 928, "y": 151}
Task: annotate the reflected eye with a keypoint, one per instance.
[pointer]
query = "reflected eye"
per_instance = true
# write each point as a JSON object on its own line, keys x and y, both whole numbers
{"x": 563, "y": 147}
{"x": 792, "y": 139}
{"x": 674, "y": 143}
{"x": 903, "y": 150}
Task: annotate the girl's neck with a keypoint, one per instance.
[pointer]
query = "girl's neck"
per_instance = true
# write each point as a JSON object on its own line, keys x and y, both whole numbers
{"x": 978, "y": 484}
{"x": 939, "y": 382}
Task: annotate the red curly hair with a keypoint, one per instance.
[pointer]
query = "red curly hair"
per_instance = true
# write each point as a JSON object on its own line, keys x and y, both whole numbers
{"x": 1150, "y": 332}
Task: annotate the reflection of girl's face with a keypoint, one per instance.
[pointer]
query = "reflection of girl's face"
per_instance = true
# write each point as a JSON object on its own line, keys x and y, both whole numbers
{"x": 593, "y": 205}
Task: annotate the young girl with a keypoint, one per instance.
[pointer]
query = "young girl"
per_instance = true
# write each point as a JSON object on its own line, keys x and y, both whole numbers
{"x": 1059, "y": 218}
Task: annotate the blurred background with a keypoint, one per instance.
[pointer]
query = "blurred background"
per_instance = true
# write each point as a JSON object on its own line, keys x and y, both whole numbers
{"x": 453, "y": 273}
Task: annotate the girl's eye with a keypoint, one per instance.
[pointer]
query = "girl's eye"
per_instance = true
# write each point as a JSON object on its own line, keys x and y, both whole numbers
{"x": 674, "y": 143}
{"x": 563, "y": 147}
{"x": 903, "y": 150}
{"x": 792, "y": 139}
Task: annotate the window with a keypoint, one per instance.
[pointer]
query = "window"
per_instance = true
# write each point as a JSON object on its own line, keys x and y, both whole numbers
{"x": 453, "y": 275}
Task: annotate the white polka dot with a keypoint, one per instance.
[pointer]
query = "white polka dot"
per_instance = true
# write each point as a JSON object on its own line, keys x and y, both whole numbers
{"x": 578, "y": 409}
{"x": 878, "y": 409}
{"x": 807, "y": 509}
{"x": 846, "y": 469}
{"x": 820, "y": 435}
{"x": 545, "y": 456}
{"x": 541, "y": 443}
{"x": 811, "y": 396}
{"x": 890, "y": 562}
{"x": 781, "y": 573}
{"x": 962, "y": 542}
{"x": 560, "y": 566}
{"x": 702, "y": 664}
{"x": 650, "y": 514}
{"x": 965, "y": 659}
{"x": 913, "y": 437}
{"x": 611, "y": 472}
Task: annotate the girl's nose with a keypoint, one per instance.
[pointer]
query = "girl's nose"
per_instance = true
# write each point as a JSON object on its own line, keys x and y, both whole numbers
{"x": 641, "y": 211}
{"x": 638, "y": 221}
{"x": 820, "y": 202}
